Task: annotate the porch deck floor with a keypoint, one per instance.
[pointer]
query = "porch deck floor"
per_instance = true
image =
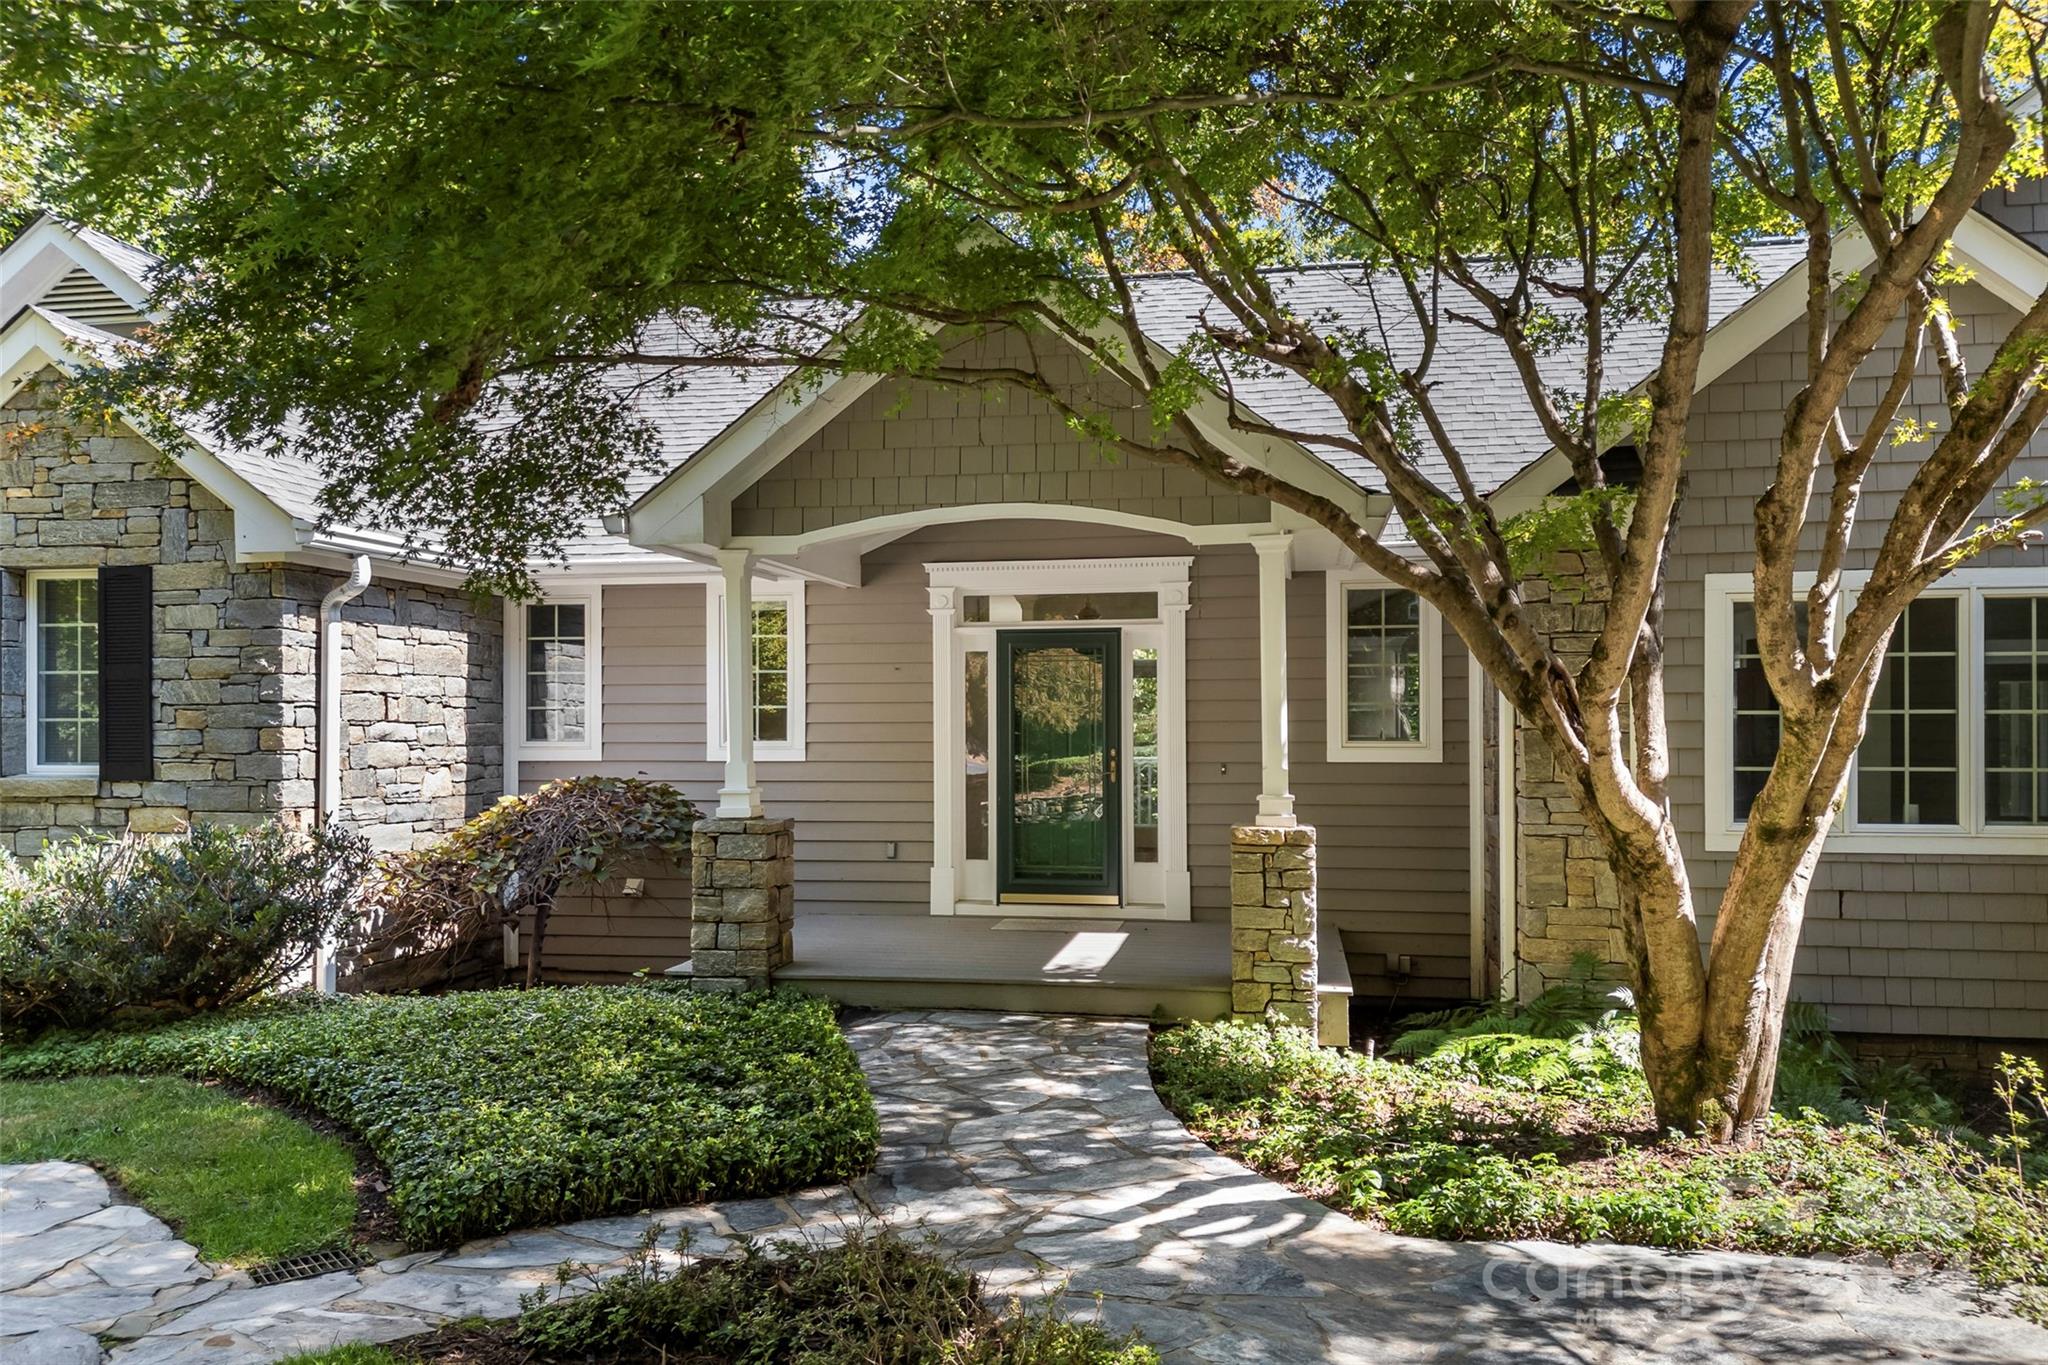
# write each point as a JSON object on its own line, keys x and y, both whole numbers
{"x": 1097, "y": 966}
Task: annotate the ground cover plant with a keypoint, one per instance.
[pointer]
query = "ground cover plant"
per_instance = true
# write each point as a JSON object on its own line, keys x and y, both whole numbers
{"x": 242, "y": 1182}
{"x": 500, "y": 1109}
{"x": 168, "y": 925}
{"x": 875, "y": 1298}
{"x": 1505, "y": 1123}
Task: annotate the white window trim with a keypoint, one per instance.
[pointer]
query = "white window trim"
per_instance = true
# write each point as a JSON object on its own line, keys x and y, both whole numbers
{"x": 791, "y": 594}
{"x": 36, "y": 767}
{"x": 1972, "y": 836}
{"x": 1429, "y": 746}
{"x": 591, "y": 747}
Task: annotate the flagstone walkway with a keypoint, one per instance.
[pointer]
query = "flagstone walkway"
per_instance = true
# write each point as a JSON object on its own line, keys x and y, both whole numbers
{"x": 1033, "y": 1150}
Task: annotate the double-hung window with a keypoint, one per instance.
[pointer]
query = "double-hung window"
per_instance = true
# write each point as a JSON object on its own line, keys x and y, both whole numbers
{"x": 775, "y": 671}
{"x": 1385, "y": 677}
{"x": 554, "y": 669}
{"x": 1955, "y": 747}
{"x": 63, "y": 673}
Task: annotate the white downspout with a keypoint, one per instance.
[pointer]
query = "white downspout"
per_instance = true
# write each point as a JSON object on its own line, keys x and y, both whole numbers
{"x": 328, "y": 743}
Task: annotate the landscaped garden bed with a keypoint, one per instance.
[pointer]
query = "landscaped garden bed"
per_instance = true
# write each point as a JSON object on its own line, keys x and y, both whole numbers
{"x": 874, "y": 1298}
{"x": 1536, "y": 1123}
{"x": 504, "y": 1109}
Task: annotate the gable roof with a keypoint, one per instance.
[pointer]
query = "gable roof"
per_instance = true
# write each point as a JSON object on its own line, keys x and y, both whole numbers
{"x": 1486, "y": 412}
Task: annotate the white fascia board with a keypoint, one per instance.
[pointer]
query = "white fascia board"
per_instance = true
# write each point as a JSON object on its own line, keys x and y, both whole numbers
{"x": 1283, "y": 459}
{"x": 2005, "y": 265}
{"x": 691, "y": 508}
{"x": 2013, "y": 271}
{"x": 1732, "y": 340}
{"x": 263, "y": 530}
{"x": 25, "y": 271}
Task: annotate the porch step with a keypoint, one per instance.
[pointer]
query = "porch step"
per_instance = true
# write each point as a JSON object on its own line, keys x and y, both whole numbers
{"x": 1140, "y": 968}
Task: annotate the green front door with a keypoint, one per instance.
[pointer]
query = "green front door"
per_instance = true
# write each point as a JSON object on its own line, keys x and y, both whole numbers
{"x": 1059, "y": 816}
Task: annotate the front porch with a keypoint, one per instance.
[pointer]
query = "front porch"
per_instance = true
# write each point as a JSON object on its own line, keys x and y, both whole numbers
{"x": 1105, "y": 966}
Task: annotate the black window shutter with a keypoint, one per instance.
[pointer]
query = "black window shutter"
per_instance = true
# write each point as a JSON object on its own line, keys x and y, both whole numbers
{"x": 127, "y": 673}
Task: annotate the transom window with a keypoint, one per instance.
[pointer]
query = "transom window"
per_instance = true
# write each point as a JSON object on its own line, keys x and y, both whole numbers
{"x": 776, "y": 671}
{"x": 64, "y": 691}
{"x": 1955, "y": 744}
{"x": 1386, "y": 651}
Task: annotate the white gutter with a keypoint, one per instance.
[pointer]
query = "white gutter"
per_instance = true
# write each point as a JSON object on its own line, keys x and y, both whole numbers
{"x": 328, "y": 741}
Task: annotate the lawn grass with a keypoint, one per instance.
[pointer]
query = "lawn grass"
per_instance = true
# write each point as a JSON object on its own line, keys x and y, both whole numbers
{"x": 242, "y": 1183}
{"x": 495, "y": 1110}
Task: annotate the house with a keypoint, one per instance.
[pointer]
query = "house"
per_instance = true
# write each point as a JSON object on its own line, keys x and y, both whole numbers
{"x": 1014, "y": 696}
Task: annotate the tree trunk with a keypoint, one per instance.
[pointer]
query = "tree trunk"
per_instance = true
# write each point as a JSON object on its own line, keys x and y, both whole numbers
{"x": 1756, "y": 933}
{"x": 1666, "y": 971}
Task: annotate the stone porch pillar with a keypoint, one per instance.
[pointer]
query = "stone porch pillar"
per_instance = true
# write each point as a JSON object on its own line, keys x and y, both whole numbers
{"x": 742, "y": 902}
{"x": 1273, "y": 924}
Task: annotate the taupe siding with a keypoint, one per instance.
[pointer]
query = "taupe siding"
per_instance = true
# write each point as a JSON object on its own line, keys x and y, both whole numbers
{"x": 1392, "y": 852}
{"x": 598, "y": 933}
{"x": 913, "y": 447}
{"x": 1940, "y": 944}
{"x": 1393, "y": 836}
{"x": 2022, "y": 209}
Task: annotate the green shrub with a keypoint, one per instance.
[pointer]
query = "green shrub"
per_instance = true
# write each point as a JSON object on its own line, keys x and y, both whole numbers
{"x": 874, "y": 1298}
{"x": 501, "y": 1109}
{"x": 183, "y": 923}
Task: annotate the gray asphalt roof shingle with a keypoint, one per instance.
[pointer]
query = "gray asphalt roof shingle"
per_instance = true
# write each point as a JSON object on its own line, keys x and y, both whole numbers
{"x": 1480, "y": 398}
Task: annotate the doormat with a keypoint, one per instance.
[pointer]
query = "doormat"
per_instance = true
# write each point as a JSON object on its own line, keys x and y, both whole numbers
{"x": 1050, "y": 925}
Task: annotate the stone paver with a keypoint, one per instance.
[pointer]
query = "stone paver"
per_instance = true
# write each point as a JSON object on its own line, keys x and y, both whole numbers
{"x": 1034, "y": 1151}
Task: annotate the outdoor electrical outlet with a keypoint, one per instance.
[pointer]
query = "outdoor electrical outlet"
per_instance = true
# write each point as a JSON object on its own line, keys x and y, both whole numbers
{"x": 889, "y": 850}
{"x": 1400, "y": 964}
{"x": 635, "y": 886}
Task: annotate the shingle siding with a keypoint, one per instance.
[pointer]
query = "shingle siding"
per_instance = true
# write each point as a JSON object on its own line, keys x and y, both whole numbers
{"x": 917, "y": 446}
{"x": 1950, "y": 944}
{"x": 2023, "y": 209}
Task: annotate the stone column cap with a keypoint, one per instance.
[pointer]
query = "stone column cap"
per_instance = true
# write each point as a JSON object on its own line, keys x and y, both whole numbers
{"x": 728, "y": 825}
{"x": 1273, "y": 834}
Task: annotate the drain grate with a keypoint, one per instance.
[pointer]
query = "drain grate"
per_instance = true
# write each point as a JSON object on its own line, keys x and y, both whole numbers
{"x": 306, "y": 1266}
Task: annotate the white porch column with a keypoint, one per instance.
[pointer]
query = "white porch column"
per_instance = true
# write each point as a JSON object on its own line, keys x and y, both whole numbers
{"x": 947, "y": 722}
{"x": 1276, "y": 801}
{"x": 1177, "y": 881}
{"x": 740, "y": 797}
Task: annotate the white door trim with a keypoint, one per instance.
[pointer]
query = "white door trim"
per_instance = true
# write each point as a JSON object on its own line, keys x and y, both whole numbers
{"x": 962, "y": 886}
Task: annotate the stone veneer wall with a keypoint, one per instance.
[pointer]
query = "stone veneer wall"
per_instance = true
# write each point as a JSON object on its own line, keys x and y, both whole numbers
{"x": 1567, "y": 899}
{"x": 422, "y": 700}
{"x": 235, "y": 655}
